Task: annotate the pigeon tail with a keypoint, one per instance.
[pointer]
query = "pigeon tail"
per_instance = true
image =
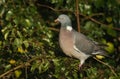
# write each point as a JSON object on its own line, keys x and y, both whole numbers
{"x": 100, "y": 52}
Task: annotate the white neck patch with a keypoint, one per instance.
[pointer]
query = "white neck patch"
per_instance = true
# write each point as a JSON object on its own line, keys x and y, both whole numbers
{"x": 69, "y": 28}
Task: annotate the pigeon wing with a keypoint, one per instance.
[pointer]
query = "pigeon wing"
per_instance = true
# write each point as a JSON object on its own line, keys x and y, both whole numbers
{"x": 83, "y": 44}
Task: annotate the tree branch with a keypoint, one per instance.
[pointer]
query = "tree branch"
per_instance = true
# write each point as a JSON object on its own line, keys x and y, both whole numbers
{"x": 106, "y": 65}
{"x": 98, "y": 22}
{"x": 54, "y": 29}
{"x": 62, "y": 10}
{"x": 88, "y": 17}
{"x": 19, "y": 66}
{"x": 77, "y": 15}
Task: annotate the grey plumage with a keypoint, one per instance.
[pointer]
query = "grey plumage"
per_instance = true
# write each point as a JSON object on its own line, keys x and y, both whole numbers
{"x": 75, "y": 44}
{"x": 83, "y": 43}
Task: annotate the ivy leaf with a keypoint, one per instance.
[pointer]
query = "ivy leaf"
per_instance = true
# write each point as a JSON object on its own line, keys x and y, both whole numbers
{"x": 109, "y": 19}
{"x": 6, "y": 35}
{"x": 26, "y": 43}
{"x": 9, "y": 15}
{"x": 19, "y": 34}
{"x": 7, "y": 67}
{"x": 34, "y": 66}
{"x": 18, "y": 42}
{"x": 111, "y": 31}
{"x": 18, "y": 73}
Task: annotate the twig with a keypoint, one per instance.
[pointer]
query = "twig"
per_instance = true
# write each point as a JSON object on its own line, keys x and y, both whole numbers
{"x": 54, "y": 29}
{"x": 88, "y": 17}
{"x": 96, "y": 14}
{"x": 106, "y": 65}
{"x": 18, "y": 67}
{"x": 26, "y": 73}
{"x": 62, "y": 10}
{"x": 98, "y": 22}
{"x": 77, "y": 15}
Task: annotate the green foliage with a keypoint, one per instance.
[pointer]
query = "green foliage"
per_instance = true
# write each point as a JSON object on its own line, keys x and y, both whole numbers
{"x": 29, "y": 48}
{"x": 94, "y": 30}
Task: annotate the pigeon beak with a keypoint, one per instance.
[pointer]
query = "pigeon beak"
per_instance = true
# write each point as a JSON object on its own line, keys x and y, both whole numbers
{"x": 56, "y": 21}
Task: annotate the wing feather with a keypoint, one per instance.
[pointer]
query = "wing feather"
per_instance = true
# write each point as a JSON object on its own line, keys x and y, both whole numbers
{"x": 83, "y": 43}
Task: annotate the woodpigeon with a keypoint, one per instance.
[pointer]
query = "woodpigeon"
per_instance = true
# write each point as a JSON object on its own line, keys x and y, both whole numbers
{"x": 75, "y": 44}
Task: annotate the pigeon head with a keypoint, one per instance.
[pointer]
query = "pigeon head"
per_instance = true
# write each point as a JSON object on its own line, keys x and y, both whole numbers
{"x": 64, "y": 20}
